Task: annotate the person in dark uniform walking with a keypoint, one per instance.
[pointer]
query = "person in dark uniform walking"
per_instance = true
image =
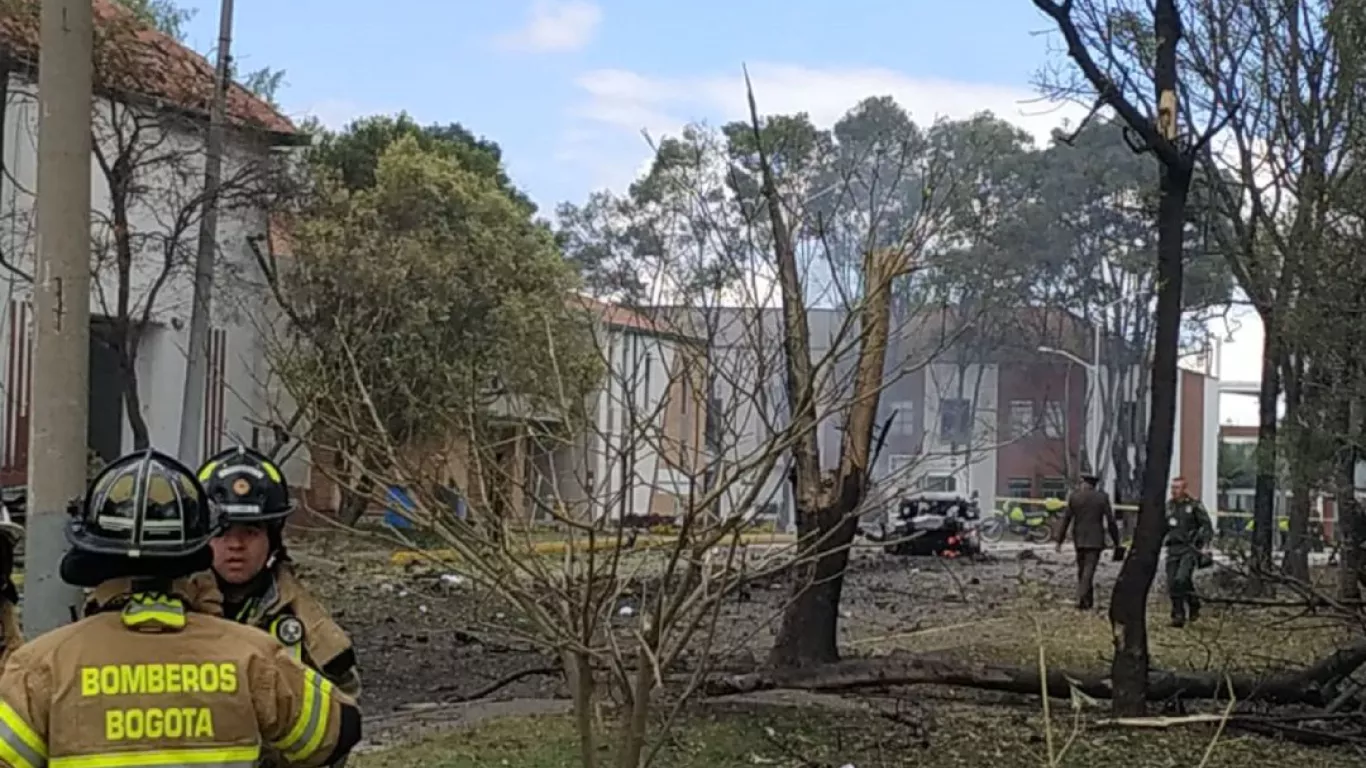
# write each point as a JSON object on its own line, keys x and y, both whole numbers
{"x": 1091, "y": 517}
{"x": 1188, "y": 536}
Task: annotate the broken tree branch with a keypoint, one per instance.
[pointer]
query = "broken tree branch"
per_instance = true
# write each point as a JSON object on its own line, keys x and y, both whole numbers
{"x": 1312, "y": 686}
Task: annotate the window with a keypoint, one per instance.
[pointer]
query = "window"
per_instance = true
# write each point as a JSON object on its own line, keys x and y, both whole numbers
{"x": 1128, "y": 422}
{"x": 903, "y": 418}
{"x": 1053, "y": 487}
{"x": 897, "y": 466}
{"x": 955, "y": 420}
{"x": 944, "y": 483}
{"x": 1020, "y": 487}
{"x": 1021, "y": 418}
{"x": 1054, "y": 419}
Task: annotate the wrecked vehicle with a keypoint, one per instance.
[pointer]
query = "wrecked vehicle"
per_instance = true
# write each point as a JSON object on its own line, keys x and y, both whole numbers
{"x": 924, "y": 523}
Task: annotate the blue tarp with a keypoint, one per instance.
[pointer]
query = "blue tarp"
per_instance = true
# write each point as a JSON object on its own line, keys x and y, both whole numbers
{"x": 398, "y": 498}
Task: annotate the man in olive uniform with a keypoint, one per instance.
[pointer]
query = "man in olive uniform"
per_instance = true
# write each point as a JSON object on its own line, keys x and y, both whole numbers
{"x": 1189, "y": 533}
{"x": 1090, "y": 516}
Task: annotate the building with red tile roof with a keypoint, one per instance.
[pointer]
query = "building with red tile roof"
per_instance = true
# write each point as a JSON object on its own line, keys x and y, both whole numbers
{"x": 138, "y": 64}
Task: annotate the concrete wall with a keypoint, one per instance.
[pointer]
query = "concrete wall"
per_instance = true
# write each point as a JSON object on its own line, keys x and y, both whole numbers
{"x": 627, "y": 447}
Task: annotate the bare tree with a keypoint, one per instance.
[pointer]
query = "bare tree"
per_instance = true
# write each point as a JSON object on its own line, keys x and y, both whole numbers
{"x": 1111, "y": 74}
{"x": 597, "y": 447}
{"x": 1283, "y": 159}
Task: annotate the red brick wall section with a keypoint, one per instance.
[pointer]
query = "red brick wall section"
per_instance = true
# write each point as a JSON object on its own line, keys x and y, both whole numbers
{"x": 1191, "y": 429}
{"x": 1237, "y": 431}
{"x": 1037, "y": 456}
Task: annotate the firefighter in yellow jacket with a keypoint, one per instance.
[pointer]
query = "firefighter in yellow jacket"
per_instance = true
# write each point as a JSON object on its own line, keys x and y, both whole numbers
{"x": 253, "y": 569}
{"x": 10, "y": 635}
{"x": 145, "y": 681}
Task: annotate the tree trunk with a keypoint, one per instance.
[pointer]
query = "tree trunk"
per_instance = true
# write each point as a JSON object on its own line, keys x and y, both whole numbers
{"x": 1129, "y": 603}
{"x": 132, "y": 404}
{"x": 1264, "y": 498}
{"x": 354, "y": 501}
{"x": 1295, "y": 558}
{"x": 826, "y": 523}
{"x": 809, "y": 631}
{"x": 1349, "y": 524}
{"x": 578, "y": 673}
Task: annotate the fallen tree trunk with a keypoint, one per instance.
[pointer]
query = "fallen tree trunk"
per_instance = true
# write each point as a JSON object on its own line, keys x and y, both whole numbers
{"x": 1312, "y": 686}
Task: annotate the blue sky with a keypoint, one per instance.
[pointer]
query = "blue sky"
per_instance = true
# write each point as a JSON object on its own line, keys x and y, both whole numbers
{"x": 565, "y": 86}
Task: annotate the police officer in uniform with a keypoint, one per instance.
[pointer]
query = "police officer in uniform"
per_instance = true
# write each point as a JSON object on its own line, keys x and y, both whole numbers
{"x": 1188, "y": 535}
{"x": 146, "y": 681}
{"x": 11, "y": 533}
{"x": 253, "y": 570}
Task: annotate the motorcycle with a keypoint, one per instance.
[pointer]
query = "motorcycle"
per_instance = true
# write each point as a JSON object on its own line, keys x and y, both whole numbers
{"x": 1032, "y": 524}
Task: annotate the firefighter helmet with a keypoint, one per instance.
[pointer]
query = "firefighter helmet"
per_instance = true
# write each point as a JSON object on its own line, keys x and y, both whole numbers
{"x": 246, "y": 486}
{"x": 143, "y": 505}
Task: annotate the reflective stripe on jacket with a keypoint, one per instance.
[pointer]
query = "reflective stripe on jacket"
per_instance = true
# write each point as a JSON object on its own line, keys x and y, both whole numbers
{"x": 152, "y": 684}
{"x": 325, "y": 645}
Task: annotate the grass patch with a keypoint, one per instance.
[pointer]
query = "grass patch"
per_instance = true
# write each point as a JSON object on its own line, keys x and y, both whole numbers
{"x": 1233, "y": 639}
{"x": 957, "y": 735}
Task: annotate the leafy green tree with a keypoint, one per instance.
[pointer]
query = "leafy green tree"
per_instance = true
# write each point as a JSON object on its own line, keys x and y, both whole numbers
{"x": 1237, "y": 465}
{"x": 682, "y": 229}
{"x": 354, "y": 152}
{"x": 412, "y": 295}
{"x": 1086, "y": 240}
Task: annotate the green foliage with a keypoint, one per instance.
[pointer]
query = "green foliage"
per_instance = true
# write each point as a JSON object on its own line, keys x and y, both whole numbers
{"x": 170, "y": 18}
{"x": 354, "y": 152}
{"x": 1092, "y": 225}
{"x": 418, "y": 290}
{"x": 164, "y": 15}
{"x": 1237, "y": 465}
{"x": 264, "y": 83}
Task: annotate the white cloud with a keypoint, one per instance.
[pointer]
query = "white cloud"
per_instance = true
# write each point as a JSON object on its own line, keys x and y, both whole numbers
{"x": 554, "y": 26}
{"x": 617, "y": 105}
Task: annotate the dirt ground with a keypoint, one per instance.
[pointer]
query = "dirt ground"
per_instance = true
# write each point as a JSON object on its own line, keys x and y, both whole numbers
{"x": 422, "y": 648}
{"x": 418, "y": 640}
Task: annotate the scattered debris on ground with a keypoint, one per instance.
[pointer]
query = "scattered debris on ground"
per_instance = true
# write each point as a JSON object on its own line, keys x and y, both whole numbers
{"x": 427, "y": 640}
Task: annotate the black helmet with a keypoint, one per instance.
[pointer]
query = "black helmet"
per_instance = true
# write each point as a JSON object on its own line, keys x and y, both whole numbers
{"x": 143, "y": 505}
{"x": 246, "y": 486}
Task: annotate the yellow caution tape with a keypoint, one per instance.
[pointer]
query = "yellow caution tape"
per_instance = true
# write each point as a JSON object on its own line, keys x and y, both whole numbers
{"x": 601, "y": 543}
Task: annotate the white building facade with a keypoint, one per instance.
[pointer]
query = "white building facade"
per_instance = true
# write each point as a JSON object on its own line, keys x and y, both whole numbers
{"x": 163, "y": 150}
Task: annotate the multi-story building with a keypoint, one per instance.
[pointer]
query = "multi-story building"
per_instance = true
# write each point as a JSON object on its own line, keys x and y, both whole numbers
{"x": 1002, "y": 413}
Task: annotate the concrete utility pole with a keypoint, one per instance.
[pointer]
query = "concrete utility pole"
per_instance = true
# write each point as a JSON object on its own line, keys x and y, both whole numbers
{"x": 197, "y": 362}
{"x": 61, "y": 347}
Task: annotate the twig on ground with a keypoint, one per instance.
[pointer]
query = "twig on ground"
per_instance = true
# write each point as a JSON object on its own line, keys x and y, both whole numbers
{"x": 504, "y": 682}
